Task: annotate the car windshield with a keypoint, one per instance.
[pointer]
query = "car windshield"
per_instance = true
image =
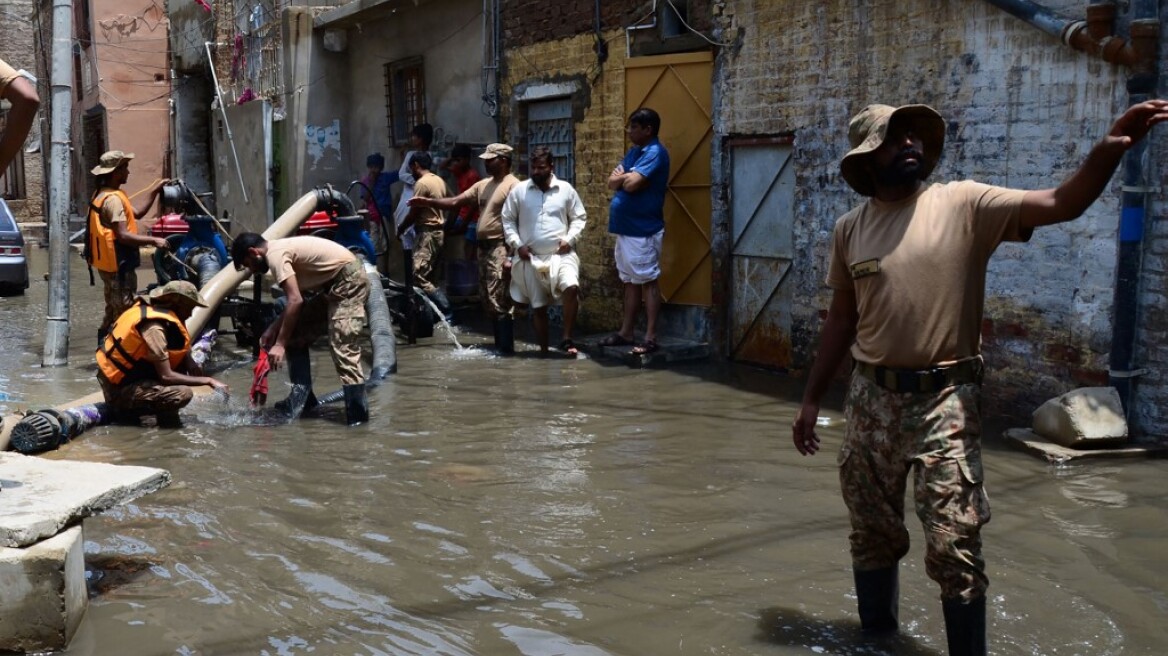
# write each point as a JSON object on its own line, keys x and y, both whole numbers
{"x": 7, "y": 223}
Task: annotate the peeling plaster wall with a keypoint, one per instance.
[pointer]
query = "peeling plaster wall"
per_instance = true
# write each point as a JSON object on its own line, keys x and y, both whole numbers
{"x": 1023, "y": 111}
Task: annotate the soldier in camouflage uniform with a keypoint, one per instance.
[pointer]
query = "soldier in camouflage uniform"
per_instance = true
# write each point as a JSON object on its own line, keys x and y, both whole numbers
{"x": 303, "y": 265}
{"x": 494, "y": 259}
{"x": 908, "y": 271}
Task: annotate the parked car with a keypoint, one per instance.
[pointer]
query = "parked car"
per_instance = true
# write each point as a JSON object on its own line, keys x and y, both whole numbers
{"x": 13, "y": 263}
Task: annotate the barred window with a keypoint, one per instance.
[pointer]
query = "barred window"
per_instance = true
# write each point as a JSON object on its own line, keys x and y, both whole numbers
{"x": 405, "y": 98}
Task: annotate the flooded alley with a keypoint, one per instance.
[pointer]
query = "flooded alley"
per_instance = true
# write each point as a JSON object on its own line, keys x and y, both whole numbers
{"x": 544, "y": 507}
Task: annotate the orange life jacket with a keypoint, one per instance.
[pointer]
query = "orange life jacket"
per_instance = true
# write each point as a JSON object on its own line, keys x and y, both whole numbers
{"x": 105, "y": 253}
{"x": 122, "y": 356}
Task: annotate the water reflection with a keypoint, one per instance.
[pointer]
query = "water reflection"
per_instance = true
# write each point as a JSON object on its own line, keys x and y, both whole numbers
{"x": 545, "y": 506}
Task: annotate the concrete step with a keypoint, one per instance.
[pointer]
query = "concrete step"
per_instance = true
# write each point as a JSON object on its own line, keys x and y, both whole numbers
{"x": 671, "y": 351}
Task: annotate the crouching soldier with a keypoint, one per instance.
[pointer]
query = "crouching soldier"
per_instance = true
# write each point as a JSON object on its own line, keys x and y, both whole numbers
{"x": 312, "y": 264}
{"x": 142, "y": 360}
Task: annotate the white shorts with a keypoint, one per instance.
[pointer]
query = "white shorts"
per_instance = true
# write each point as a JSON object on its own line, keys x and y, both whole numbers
{"x": 638, "y": 259}
{"x": 541, "y": 280}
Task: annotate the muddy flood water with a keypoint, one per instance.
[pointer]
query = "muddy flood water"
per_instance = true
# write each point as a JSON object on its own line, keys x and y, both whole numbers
{"x": 545, "y": 507}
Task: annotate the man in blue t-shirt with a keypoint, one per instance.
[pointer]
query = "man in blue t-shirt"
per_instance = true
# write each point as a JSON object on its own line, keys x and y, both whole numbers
{"x": 637, "y": 218}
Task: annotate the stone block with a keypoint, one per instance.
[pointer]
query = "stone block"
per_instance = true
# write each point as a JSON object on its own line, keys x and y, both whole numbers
{"x": 1087, "y": 417}
{"x": 42, "y": 592}
{"x": 41, "y": 496}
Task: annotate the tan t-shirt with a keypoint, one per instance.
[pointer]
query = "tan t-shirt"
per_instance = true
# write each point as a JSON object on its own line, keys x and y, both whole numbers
{"x": 918, "y": 268}
{"x": 429, "y": 186}
{"x": 490, "y": 196}
{"x": 112, "y": 209}
{"x": 313, "y": 260}
{"x": 154, "y": 335}
{"x": 7, "y": 75}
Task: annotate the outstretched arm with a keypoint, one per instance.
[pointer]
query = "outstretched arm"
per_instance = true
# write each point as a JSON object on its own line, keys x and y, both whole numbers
{"x": 834, "y": 341}
{"x": 23, "y": 96}
{"x": 1070, "y": 199}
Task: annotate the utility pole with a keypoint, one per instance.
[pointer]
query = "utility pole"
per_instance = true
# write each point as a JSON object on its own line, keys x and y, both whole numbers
{"x": 56, "y": 351}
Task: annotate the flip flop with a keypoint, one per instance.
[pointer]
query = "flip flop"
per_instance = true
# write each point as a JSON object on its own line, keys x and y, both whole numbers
{"x": 569, "y": 347}
{"x": 646, "y": 347}
{"x": 615, "y": 339}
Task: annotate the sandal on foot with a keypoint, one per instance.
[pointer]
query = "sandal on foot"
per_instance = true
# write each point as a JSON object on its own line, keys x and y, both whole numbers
{"x": 646, "y": 347}
{"x": 569, "y": 347}
{"x": 615, "y": 339}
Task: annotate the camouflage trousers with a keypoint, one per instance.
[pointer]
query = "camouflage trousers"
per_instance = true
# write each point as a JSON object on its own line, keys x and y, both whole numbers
{"x": 119, "y": 294}
{"x": 339, "y": 312}
{"x": 427, "y": 252}
{"x": 494, "y": 282}
{"x": 145, "y": 397}
{"x": 936, "y": 437}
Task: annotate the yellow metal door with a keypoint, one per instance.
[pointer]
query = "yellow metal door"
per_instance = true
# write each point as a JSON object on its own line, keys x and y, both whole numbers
{"x": 679, "y": 88}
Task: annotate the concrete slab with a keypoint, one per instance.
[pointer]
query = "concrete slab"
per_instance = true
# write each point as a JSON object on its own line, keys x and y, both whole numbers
{"x": 42, "y": 592}
{"x": 671, "y": 351}
{"x": 1034, "y": 444}
{"x": 40, "y": 497}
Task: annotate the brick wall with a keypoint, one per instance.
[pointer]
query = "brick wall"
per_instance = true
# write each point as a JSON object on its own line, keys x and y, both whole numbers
{"x": 528, "y": 22}
{"x": 16, "y": 48}
{"x": 1023, "y": 111}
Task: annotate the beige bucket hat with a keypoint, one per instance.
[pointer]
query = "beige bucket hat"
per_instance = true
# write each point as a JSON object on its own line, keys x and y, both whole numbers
{"x": 867, "y": 130}
{"x": 179, "y": 288}
{"x": 497, "y": 150}
{"x": 110, "y": 161}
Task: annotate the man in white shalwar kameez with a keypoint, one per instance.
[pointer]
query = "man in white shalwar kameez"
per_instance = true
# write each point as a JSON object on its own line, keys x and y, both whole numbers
{"x": 543, "y": 218}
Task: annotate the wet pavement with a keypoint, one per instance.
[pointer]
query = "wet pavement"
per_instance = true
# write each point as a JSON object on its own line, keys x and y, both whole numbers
{"x": 546, "y": 507}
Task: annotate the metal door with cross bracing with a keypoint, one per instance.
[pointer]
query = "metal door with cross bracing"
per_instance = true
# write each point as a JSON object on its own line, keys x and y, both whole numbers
{"x": 762, "y": 208}
{"x": 679, "y": 88}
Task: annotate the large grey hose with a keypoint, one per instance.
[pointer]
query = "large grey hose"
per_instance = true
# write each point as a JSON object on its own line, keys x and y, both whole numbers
{"x": 380, "y": 333}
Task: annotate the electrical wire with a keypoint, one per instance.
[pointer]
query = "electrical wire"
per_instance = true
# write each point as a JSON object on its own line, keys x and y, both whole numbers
{"x": 691, "y": 28}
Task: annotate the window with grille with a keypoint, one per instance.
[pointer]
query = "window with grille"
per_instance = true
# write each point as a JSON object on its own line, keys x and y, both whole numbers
{"x": 405, "y": 98}
{"x": 549, "y": 123}
{"x": 12, "y": 180}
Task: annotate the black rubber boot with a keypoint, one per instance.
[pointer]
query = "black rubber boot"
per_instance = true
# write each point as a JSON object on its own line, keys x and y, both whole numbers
{"x": 301, "y": 400}
{"x": 168, "y": 420}
{"x": 877, "y": 595}
{"x": 356, "y": 404}
{"x": 443, "y": 303}
{"x": 965, "y": 626}
{"x": 505, "y": 335}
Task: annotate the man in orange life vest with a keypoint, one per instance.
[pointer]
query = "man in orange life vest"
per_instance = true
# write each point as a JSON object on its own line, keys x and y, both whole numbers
{"x": 112, "y": 240}
{"x": 140, "y": 362}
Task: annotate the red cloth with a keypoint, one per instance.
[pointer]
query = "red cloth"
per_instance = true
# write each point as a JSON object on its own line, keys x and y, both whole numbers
{"x": 203, "y": 4}
{"x": 259, "y": 382}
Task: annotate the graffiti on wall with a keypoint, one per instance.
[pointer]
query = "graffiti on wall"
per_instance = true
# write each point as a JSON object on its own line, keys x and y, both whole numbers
{"x": 324, "y": 145}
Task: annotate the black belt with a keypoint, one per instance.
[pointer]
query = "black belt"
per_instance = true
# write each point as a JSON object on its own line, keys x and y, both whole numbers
{"x": 918, "y": 381}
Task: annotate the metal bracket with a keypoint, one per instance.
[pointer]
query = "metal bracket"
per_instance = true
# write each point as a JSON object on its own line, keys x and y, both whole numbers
{"x": 1134, "y": 373}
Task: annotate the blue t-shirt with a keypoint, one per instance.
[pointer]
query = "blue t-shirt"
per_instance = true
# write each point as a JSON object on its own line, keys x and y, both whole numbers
{"x": 641, "y": 214}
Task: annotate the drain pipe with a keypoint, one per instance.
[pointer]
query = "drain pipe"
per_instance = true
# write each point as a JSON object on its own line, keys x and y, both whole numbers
{"x": 1141, "y": 86}
{"x": 1094, "y": 36}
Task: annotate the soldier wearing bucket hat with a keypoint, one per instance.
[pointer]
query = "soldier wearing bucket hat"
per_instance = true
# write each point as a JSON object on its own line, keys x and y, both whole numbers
{"x": 111, "y": 235}
{"x": 907, "y": 271}
{"x": 494, "y": 259}
{"x": 143, "y": 364}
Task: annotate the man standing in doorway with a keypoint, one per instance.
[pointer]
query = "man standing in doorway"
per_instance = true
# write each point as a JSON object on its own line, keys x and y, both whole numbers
{"x": 908, "y": 271}
{"x": 23, "y": 95}
{"x": 543, "y": 219}
{"x": 112, "y": 240}
{"x": 303, "y": 265}
{"x": 637, "y": 218}
{"x": 494, "y": 260}
{"x": 429, "y": 237}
